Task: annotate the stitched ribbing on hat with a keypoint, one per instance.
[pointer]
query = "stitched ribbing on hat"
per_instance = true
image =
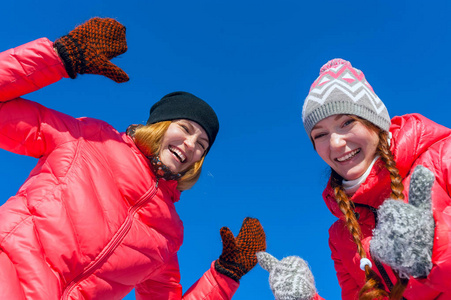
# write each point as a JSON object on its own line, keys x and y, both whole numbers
{"x": 344, "y": 107}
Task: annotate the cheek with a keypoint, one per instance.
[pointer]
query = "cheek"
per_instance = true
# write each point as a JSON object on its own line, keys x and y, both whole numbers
{"x": 164, "y": 140}
{"x": 197, "y": 156}
{"x": 323, "y": 152}
{"x": 372, "y": 145}
{"x": 326, "y": 158}
{"x": 171, "y": 137}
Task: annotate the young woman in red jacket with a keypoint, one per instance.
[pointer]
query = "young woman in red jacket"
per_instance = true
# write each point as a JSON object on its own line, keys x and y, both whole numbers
{"x": 390, "y": 188}
{"x": 96, "y": 217}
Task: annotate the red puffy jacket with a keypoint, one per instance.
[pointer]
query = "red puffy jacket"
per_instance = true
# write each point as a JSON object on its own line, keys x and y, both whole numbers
{"x": 416, "y": 141}
{"x": 91, "y": 221}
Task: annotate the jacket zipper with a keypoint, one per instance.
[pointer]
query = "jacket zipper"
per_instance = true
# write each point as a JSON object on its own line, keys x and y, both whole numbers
{"x": 114, "y": 242}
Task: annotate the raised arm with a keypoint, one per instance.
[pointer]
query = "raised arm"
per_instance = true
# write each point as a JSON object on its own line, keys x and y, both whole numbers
{"x": 28, "y": 128}
{"x": 29, "y": 67}
{"x": 87, "y": 49}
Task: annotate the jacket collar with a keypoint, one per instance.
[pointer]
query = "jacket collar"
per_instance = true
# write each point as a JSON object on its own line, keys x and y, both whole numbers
{"x": 169, "y": 186}
{"x": 372, "y": 192}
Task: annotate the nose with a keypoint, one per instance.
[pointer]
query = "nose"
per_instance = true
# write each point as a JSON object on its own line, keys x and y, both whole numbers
{"x": 190, "y": 142}
{"x": 337, "y": 140}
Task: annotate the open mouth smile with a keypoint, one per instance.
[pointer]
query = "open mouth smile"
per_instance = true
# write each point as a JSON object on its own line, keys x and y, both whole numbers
{"x": 177, "y": 153}
{"x": 348, "y": 156}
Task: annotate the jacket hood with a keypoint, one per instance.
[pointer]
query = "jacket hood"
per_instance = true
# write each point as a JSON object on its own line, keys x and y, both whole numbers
{"x": 412, "y": 135}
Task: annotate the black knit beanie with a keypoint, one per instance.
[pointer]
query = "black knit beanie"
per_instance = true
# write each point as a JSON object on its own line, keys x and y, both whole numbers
{"x": 183, "y": 105}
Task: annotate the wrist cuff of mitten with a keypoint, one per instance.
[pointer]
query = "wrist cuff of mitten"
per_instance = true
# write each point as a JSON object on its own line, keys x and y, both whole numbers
{"x": 65, "y": 57}
{"x": 225, "y": 271}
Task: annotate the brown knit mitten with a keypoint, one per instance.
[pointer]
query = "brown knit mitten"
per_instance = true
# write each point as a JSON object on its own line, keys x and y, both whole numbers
{"x": 89, "y": 47}
{"x": 239, "y": 254}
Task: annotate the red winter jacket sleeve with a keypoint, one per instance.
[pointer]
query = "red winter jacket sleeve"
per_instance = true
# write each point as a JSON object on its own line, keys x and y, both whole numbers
{"x": 25, "y": 69}
{"x": 211, "y": 286}
{"x": 29, "y": 128}
{"x": 432, "y": 150}
{"x": 29, "y": 67}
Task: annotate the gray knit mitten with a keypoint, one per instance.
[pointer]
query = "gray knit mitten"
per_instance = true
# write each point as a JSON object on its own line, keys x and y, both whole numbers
{"x": 289, "y": 278}
{"x": 404, "y": 235}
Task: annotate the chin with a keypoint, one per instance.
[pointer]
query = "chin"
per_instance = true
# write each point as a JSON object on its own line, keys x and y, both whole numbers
{"x": 353, "y": 176}
{"x": 173, "y": 170}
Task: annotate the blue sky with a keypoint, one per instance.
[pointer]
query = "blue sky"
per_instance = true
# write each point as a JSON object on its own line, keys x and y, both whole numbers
{"x": 254, "y": 62}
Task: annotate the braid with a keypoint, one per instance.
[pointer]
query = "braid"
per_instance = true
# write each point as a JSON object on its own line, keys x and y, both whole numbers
{"x": 347, "y": 208}
{"x": 383, "y": 150}
{"x": 397, "y": 188}
{"x": 373, "y": 287}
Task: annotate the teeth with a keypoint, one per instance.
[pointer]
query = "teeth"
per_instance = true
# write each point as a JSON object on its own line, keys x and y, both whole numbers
{"x": 178, "y": 153}
{"x": 350, "y": 155}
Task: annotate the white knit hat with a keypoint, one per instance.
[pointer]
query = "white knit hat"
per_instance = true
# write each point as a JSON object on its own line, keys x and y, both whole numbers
{"x": 342, "y": 89}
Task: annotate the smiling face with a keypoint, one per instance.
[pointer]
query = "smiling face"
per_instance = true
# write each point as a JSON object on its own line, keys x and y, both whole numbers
{"x": 183, "y": 144}
{"x": 345, "y": 144}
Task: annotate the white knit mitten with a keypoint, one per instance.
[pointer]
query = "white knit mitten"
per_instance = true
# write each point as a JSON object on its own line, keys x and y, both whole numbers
{"x": 289, "y": 278}
{"x": 404, "y": 235}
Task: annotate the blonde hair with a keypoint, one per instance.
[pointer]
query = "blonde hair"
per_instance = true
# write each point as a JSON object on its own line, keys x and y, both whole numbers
{"x": 373, "y": 287}
{"x": 148, "y": 139}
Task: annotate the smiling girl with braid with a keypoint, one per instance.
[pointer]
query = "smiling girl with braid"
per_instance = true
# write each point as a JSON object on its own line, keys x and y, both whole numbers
{"x": 96, "y": 218}
{"x": 389, "y": 188}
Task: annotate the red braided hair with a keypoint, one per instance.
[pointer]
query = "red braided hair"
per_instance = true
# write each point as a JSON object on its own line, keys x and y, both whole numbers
{"x": 373, "y": 287}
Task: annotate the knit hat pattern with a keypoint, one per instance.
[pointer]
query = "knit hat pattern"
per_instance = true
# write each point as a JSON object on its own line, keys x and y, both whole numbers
{"x": 184, "y": 105}
{"x": 342, "y": 89}
{"x": 289, "y": 278}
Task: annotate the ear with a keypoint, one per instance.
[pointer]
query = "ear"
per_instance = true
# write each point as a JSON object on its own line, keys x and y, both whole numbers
{"x": 266, "y": 260}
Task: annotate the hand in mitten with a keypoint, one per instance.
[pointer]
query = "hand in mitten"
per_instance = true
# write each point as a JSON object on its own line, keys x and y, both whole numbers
{"x": 404, "y": 235}
{"x": 238, "y": 254}
{"x": 89, "y": 47}
{"x": 289, "y": 278}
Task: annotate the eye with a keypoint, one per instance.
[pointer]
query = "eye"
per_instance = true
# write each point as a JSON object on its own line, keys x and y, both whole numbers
{"x": 185, "y": 128}
{"x": 318, "y": 135}
{"x": 348, "y": 122}
{"x": 202, "y": 145}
